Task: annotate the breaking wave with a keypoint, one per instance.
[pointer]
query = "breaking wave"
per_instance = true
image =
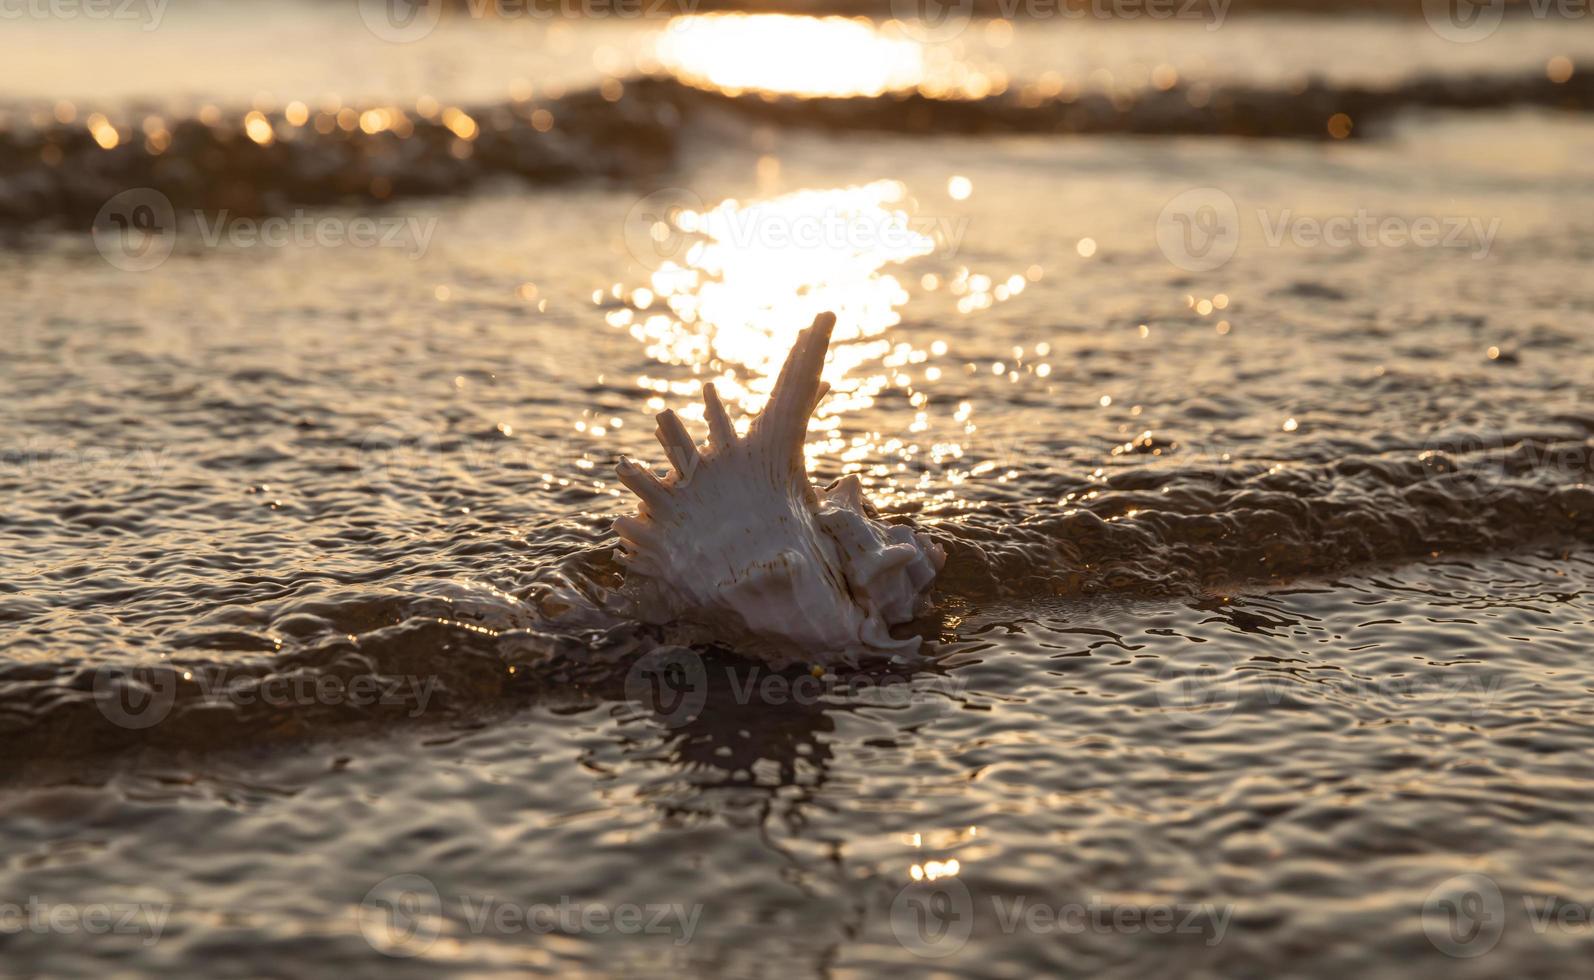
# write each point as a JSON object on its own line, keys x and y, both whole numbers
{"x": 448, "y": 651}
{"x": 256, "y": 163}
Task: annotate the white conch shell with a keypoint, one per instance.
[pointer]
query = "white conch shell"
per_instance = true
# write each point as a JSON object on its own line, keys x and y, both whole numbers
{"x": 737, "y": 535}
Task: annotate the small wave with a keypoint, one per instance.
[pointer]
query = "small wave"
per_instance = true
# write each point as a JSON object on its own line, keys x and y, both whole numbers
{"x": 450, "y": 651}
{"x": 253, "y": 164}
{"x": 1168, "y": 530}
{"x": 1195, "y": 109}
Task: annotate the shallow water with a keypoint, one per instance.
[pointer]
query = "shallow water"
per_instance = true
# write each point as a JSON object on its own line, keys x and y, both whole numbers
{"x": 1269, "y": 585}
{"x": 186, "y": 53}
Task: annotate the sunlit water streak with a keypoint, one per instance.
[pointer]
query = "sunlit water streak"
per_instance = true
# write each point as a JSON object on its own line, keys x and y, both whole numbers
{"x": 755, "y": 274}
{"x": 827, "y": 56}
{"x": 752, "y": 274}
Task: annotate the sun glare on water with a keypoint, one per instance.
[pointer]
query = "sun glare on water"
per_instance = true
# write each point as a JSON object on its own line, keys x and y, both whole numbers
{"x": 757, "y": 273}
{"x": 749, "y": 275}
{"x": 805, "y": 56}
{"x": 734, "y": 282}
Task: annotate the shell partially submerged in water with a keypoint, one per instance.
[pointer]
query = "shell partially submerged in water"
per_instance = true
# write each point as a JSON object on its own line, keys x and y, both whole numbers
{"x": 737, "y": 537}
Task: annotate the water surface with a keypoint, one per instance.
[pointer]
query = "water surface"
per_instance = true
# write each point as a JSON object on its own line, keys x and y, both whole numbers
{"x": 1267, "y": 605}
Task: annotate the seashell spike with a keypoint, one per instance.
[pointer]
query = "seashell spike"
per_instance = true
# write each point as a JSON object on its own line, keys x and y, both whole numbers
{"x": 736, "y": 538}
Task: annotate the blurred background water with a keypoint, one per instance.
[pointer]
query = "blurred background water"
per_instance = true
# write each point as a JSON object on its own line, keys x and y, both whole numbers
{"x": 1240, "y": 360}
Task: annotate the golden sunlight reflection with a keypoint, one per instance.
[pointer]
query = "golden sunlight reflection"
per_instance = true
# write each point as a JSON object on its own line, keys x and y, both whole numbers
{"x": 757, "y": 273}
{"x": 932, "y": 870}
{"x": 809, "y": 56}
{"x": 745, "y": 277}
{"x": 754, "y": 274}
